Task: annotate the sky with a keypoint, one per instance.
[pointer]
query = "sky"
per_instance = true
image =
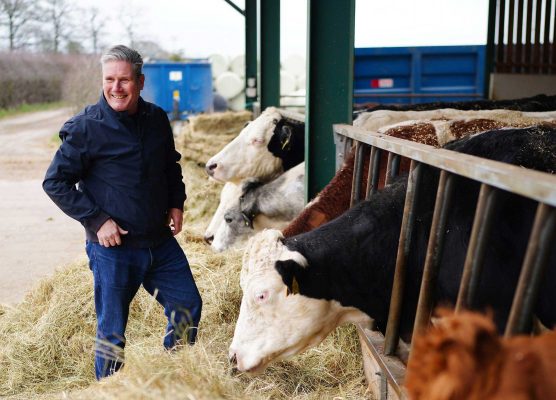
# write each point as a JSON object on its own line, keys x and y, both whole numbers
{"x": 199, "y": 28}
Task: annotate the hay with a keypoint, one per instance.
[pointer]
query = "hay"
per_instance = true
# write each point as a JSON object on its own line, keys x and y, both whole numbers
{"x": 206, "y": 134}
{"x": 46, "y": 342}
{"x": 203, "y": 196}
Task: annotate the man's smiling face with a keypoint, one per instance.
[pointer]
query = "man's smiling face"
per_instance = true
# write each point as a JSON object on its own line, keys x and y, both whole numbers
{"x": 120, "y": 86}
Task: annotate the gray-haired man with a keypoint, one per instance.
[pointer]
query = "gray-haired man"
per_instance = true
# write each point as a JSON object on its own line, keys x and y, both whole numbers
{"x": 130, "y": 194}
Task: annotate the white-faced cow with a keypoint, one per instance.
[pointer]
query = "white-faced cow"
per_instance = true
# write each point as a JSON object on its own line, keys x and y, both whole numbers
{"x": 228, "y": 197}
{"x": 260, "y": 206}
{"x": 266, "y": 147}
{"x": 343, "y": 270}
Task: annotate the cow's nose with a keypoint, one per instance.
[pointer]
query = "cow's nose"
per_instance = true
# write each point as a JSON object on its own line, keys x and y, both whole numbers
{"x": 209, "y": 168}
{"x": 209, "y": 239}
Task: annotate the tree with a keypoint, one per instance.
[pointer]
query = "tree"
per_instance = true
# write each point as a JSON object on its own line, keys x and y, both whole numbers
{"x": 57, "y": 15}
{"x": 96, "y": 25}
{"x": 74, "y": 47}
{"x": 130, "y": 18}
{"x": 16, "y": 16}
{"x": 150, "y": 49}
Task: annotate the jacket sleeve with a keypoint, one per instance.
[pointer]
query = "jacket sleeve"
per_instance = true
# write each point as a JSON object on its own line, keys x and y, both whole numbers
{"x": 176, "y": 187}
{"x": 68, "y": 166}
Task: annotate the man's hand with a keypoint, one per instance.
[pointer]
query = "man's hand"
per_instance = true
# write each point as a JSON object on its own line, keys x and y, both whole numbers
{"x": 109, "y": 234}
{"x": 175, "y": 218}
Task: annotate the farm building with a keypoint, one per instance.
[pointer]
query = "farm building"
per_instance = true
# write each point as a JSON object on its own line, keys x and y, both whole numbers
{"x": 325, "y": 232}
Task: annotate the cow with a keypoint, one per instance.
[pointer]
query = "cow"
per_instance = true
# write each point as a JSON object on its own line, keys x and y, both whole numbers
{"x": 374, "y": 120}
{"x": 266, "y": 147}
{"x": 334, "y": 199}
{"x": 539, "y": 102}
{"x": 228, "y": 196}
{"x": 260, "y": 206}
{"x": 297, "y": 289}
{"x": 462, "y": 357}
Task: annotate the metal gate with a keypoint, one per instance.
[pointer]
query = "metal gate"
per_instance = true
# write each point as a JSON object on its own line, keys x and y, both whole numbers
{"x": 382, "y": 353}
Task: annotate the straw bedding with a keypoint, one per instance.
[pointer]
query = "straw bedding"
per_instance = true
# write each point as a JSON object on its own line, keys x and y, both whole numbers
{"x": 46, "y": 342}
{"x": 206, "y": 134}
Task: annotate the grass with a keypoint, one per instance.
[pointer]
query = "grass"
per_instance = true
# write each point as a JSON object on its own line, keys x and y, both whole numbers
{"x": 25, "y": 108}
{"x": 55, "y": 138}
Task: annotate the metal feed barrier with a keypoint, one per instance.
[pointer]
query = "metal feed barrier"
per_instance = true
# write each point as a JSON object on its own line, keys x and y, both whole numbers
{"x": 385, "y": 356}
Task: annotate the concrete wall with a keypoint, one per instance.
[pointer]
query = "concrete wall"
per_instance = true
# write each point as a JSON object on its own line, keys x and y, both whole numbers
{"x": 513, "y": 86}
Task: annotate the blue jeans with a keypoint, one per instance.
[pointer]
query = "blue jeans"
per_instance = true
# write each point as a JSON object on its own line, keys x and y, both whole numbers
{"x": 118, "y": 272}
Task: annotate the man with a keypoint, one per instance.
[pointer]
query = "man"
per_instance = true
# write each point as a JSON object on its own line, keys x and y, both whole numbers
{"x": 129, "y": 197}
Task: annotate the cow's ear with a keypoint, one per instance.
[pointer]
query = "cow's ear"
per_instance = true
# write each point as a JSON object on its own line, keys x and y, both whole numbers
{"x": 288, "y": 270}
{"x": 285, "y": 137}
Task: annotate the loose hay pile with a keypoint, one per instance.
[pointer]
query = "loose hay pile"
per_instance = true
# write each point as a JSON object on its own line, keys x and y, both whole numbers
{"x": 206, "y": 134}
{"x": 46, "y": 342}
{"x": 203, "y": 196}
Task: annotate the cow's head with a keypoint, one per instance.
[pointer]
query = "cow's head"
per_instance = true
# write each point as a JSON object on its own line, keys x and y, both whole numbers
{"x": 248, "y": 155}
{"x": 275, "y": 321}
{"x": 288, "y": 142}
{"x": 229, "y": 197}
{"x": 233, "y": 231}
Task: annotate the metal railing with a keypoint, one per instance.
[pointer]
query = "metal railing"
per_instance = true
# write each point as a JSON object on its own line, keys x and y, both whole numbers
{"x": 493, "y": 176}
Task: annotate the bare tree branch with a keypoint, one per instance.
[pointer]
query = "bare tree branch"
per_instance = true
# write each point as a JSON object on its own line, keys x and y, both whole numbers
{"x": 57, "y": 15}
{"x": 96, "y": 25}
{"x": 17, "y": 16}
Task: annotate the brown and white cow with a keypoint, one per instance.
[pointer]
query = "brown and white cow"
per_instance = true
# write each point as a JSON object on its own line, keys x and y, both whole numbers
{"x": 334, "y": 199}
{"x": 374, "y": 120}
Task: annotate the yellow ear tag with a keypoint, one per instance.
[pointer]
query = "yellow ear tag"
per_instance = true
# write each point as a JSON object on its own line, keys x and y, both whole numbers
{"x": 285, "y": 143}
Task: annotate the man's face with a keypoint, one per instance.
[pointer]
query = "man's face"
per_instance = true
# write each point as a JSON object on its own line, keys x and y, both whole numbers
{"x": 120, "y": 86}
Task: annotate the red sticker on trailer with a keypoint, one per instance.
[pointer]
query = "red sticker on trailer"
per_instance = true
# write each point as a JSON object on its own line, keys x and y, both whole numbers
{"x": 382, "y": 83}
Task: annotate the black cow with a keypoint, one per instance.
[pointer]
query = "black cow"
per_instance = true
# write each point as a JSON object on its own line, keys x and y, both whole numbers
{"x": 539, "y": 102}
{"x": 363, "y": 260}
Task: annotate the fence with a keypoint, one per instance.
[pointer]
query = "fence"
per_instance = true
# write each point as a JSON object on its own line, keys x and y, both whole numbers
{"x": 525, "y": 36}
{"x": 385, "y": 352}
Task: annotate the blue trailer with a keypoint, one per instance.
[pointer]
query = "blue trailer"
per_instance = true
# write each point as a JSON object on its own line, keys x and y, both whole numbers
{"x": 408, "y": 75}
{"x": 180, "y": 88}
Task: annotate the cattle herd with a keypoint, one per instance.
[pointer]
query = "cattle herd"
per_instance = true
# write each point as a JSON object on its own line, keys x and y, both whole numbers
{"x": 309, "y": 268}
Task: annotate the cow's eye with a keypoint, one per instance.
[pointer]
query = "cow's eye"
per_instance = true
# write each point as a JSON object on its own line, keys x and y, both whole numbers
{"x": 257, "y": 141}
{"x": 261, "y": 297}
{"x": 228, "y": 220}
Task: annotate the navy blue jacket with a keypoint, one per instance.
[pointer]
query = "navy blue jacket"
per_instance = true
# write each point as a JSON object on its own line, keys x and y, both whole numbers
{"x": 126, "y": 168}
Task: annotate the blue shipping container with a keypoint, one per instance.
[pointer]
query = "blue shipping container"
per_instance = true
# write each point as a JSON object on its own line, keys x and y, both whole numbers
{"x": 190, "y": 83}
{"x": 407, "y": 75}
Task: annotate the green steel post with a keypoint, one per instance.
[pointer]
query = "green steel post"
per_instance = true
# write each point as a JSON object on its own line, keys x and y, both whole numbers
{"x": 489, "y": 57}
{"x": 250, "y": 53}
{"x": 331, "y": 26}
{"x": 270, "y": 53}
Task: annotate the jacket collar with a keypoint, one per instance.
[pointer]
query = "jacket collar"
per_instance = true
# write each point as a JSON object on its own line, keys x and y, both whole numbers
{"x": 141, "y": 108}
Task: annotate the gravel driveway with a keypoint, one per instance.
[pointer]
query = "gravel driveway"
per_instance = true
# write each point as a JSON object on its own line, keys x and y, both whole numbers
{"x": 35, "y": 236}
